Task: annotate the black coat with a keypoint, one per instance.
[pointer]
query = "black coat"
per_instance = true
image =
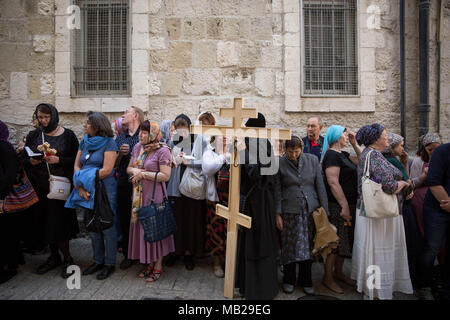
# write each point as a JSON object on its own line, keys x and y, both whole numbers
{"x": 257, "y": 275}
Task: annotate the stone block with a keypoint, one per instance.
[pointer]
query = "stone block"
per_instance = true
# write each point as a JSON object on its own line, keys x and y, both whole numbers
{"x": 244, "y": 28}
{"x": 292, "y": 39}
{"x": 292, "y": 58}
{"x": 139, "y": 6}
{"x": 277, "y": 24}
{"x": 277, "y": 40}
{"x": 253, "y": 7}
{"x": 230, "y": 29}
{"x": 204, "y": 54}
{"x": 156, "y": 43}
{"x": 261, "y": 29}
{"x": 372, "y": 39}
{"x": 277, "y": 6}
{"x": 292, "y": 104}
{"x": 292, "y": 83}
{"x": 291, "y": 22}
{"x": 156, "y": 26}
{"x": 47, "y": 84}
{"x": 142, "y": 41}
{"x": 12, "y": 9}
{"x": 227, "y": 53}
{"x": 62, "y": 84}
{"x": 18, "y": 85}
{"x": 139, "y": 61}
{"x": 158, "y": 60}
{"x": 14, "y": 57}
{"x": 62, "y": 43}
{"x": 62, "y": 61}
{"x": 41, "y": 62}
{"x": 4, "y": 87}
{"x": 171, "y": 84}
{"x": 61, "y": 7}
{"x": 368, "y": 84}
{"x": 194, "y": 28}
{"x": 61, "y": 26}
{"x": 180, "y": 55}
{"x": 214, "y": 28}
{"x": 265, "y": 82}
{"x": 46, "y": 8}
{"x": 173, "y": 26}
{"x": 250, "y": 55}
{"x": 381, "y": 82}
{"x": 154, "y": 84}
{"x": 154, "y": 6}
{"x": 271, "y": 57}
{"x": 237, "y": 81}
{"x": 41, "y": 25}
{"x": 201, "y": 82}
{"x": 383, "y": 59}
{"x": 291, "y": 6}
{"x": 224, "y": 7}
{"x": 140, "y": 23}
{"x": 190, "y": 8}
{"x": 14, "y": 31}
{"x": 279, "y": 83}
{"x": 43, "y": 43}
{"x": 140, "y": 83}
{"x": 367, "y": 59}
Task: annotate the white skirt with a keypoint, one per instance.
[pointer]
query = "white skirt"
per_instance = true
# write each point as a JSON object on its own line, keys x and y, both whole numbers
{"x": 380, "y": 244}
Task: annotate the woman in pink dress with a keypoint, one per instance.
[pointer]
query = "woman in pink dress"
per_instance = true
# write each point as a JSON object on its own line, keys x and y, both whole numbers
{"x": 149, "y": 156}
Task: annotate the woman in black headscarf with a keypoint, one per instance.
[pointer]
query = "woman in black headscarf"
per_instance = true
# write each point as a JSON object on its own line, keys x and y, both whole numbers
{"x": 257, "y": 247}
{"x": 57, "y": 224}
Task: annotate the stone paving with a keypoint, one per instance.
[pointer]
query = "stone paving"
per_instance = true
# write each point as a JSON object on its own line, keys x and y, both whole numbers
{"x": 175, "y": 283}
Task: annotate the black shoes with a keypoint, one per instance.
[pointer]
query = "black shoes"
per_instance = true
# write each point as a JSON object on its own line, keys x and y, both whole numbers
{"x": 126, "y": 263}
{"x": 66, "y": 264}
{"x": 171, "y": 259}
{"x": 92, "y": 268}
{"x": 106, "y": 272}
{"x": 189, "y": 262}
{"x": 51, "y": 263}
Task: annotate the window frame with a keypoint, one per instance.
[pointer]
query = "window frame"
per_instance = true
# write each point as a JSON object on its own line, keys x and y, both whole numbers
{"x": 73, "y": 49}
{"x": 302, "y": 57}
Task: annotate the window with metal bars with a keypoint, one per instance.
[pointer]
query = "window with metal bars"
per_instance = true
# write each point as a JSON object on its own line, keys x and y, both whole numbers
{"x": 330, "y": 57}
{"x": 101, "y": 63}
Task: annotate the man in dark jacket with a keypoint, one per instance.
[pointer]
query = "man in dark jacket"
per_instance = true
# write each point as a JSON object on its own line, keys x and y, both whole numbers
{"x": 313, "y": 142}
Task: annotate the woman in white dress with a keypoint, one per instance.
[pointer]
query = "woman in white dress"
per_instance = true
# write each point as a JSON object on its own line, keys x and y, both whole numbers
{"x": 379, "y": 246}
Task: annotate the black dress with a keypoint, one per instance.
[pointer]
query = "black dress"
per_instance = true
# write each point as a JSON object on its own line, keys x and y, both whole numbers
{"x": 10, "y": 254}
{"x": 53, "y": 222}
{"x": 257, "y": 275}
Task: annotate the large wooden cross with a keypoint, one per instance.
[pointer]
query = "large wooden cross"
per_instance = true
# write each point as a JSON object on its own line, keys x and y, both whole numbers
{"x": 232, "y": 213}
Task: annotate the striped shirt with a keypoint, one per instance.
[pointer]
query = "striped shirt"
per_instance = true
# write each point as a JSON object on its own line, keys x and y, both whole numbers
{"x": 125, "y": 138}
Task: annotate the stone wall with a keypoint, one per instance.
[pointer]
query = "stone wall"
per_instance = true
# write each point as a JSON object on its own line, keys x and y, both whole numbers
{"x": 195, "y": 55}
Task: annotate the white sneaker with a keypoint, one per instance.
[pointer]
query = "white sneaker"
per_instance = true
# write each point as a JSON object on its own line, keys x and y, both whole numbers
{"x": 309, "y": 290}
{"x": 218, "y": 272}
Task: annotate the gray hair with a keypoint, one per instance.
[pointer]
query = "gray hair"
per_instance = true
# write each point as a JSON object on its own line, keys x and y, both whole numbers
{"x": 319, "y": 119}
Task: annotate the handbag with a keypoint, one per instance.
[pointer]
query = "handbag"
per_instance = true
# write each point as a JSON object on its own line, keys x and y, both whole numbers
{"x": 193, "y": 184}
{"x": 21, "y": 197}
{"x": 102, "y": 217}
{"x": 60, "y": 187}
{"x": 157, "y": 220}
{"x": 376, "y": 203}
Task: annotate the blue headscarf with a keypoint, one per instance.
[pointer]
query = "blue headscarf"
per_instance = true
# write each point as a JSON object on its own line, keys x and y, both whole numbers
{"x": 369, "y": 134}
{"x": 94, "y": 143}
{"x": 333, "y": 135}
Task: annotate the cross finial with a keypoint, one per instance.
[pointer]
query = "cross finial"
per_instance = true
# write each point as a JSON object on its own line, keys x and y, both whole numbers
{"x": 237, "y": 113}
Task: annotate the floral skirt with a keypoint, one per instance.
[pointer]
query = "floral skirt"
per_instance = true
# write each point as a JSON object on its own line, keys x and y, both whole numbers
{"x": 216, "y": 228}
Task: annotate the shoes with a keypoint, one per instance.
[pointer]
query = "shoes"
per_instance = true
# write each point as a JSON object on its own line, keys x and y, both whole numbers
{"x": 309, "y": 291}
{"x": 154, "y": 276}
{"x": 189, "y": 262}
{"x": 425, "y": 294}
{"x": 92, "y": 268}
{"x": 288, "y": 288}
{"x": 6, "y": 275}
{"x": 171, "y": 259}
{"x": 106, "y": 272}
{"x": 147, "y": 271}
{"x": 66, "y": 264}
{"x": 51, "y": 263}
{"x": 218, "y": 272}
{"x": 126, "y": 263}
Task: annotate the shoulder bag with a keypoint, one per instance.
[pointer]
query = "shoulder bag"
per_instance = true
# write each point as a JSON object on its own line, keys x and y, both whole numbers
{"x": 157, "y": 220}
{"x": 376, "y": 203}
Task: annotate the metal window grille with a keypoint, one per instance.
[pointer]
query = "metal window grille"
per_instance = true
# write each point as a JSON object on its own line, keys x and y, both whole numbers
{"x": 330, "y": 64}
{"x": 101, "y": 62}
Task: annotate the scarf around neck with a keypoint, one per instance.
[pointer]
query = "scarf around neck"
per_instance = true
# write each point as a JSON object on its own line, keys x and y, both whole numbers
{"x": 94, "y": 143}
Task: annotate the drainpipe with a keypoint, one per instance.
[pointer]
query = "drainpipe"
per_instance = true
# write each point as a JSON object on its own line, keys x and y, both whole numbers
{"x": 424, "y": 76}
{"x": 439, "y": 42}
{"x": 402, "y": 72}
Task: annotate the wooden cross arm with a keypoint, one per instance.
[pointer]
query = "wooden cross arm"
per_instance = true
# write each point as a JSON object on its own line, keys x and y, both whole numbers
{"x": 242, "y": 219}
{"x": 283, "y": 134}
{"x": 243, "y": 113}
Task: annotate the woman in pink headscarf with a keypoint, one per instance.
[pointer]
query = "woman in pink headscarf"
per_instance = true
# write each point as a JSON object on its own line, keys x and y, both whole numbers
{"x": 149, "y": 156}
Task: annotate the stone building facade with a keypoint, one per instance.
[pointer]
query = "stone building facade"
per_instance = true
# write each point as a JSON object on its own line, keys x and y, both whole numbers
{"x": 195, "y": 55}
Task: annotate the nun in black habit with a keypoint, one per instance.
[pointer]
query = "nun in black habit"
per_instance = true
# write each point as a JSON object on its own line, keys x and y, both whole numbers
{"x": 257, "y": 276}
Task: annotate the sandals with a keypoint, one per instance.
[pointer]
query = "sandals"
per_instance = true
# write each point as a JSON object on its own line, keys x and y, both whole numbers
{"x": 154, "y": 276}
{"x": 147, "y": 271}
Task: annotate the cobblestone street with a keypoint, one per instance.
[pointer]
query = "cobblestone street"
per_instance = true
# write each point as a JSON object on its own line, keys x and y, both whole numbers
{"x": 175, "y": 283}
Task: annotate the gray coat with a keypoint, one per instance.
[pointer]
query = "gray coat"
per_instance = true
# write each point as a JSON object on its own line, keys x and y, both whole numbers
{"x": 292, "y": 182}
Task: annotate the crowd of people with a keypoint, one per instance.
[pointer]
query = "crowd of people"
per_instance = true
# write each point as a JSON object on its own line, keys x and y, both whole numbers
{"x": 310, "y": 210}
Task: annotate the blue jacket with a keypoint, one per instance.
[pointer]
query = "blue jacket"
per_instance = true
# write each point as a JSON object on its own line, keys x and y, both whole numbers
{"x": 83, "y": 178}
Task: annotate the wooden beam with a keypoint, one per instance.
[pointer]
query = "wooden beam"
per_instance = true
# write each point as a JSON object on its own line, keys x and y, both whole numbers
{"x": 242, "y": 219}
